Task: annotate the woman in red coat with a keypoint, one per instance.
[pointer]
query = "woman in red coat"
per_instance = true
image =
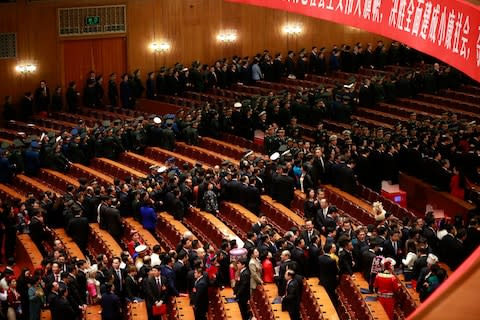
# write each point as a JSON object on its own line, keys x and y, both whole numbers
{"x": 386, "y": 284}
{"x": 267, "y": 267}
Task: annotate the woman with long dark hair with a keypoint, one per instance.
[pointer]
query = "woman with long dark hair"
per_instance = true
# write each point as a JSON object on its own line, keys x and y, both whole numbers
{"x": 309, "y": 208}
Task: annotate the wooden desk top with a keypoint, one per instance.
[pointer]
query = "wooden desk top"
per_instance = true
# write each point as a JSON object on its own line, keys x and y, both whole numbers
{"x": 177, "y": 225}
{"x": 376, "y": 308}
{"x": 232, "y": 310}
{"x": 184, "y": 309}
{"x": 72, "y": 248}
{"x": 246, "y": 213}
{"x": 62, "y": 176}
{"x": 362, "y": 204}
{"x": 95, "y": 173}
{"x": 208, "y": 152}
{"x": 149, "y": 239}
{"x": 111, "y": 244}
{"x": 224, "y": 230}
{"x": 226, "y": 144}
{"x": 168, "y": 154}
{"x": 30, "y": 249}
{"x": 145, "y": 159}
{"x": 122, "y": 167}
{"x": 299, "y": 194}
{"x": 323, "y": 300}
{"x": 271, "y": 292}
{"x": 411, "y": 291}
{"x": 12, "y": 192}
{"x": 284, "y": 210}
{"x": 40, "y": 186}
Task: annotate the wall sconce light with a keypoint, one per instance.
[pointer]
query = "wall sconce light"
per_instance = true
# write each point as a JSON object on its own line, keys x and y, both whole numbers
{"x": 26, "y": 68}
{"x": 226, "y": 37}
{"x": 160, "y": 47}
{"x": 292, "y": 29}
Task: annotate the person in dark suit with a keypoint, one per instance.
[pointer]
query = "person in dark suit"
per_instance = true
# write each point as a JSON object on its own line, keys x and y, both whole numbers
{"x": 367, "y": 260}
{"x": 132, "y": 289}
{"x": 324, "y": 210}
{"x": 78, "y": 228}
{"x": 309, "y": 233}
{"x": 74, "y": 295}
{"x": 314, "y": 251}
{"x": 345, "y": 257}
{"x": 328, "y": 272}
{"x": 452, "y": 250}
{"x": 291, "y": 299}
{"x": 392, "y": 248}
{"x": 155, "y": 290}
{"x": 242, "y": 288}
{"x": 62, "y": 306}
{"x": 200, "y": 295}
{"x": 298, "y": 256}
{"x": 114, "y": 220}
{"x": 110, "y": 303}
{"x": 126, "y": 96}
{"x": 257, "y": 226}
{"x": 38, "y": 230}
{"x": 180, "y": 269}
{"x": 347, "y": 180}
{"x": 118, "y": 276}
{"x": 283, "y": 187}
{"x": 290, "y": 64}
{"x": 26, "y": 106}
{"x": 170, "y": 276}
{"x": 285, "y": 264}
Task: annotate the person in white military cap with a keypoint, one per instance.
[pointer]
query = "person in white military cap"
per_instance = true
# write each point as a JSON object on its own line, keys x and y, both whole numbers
{"x": 141, "y": 252}
{"x": 275, "y": 156}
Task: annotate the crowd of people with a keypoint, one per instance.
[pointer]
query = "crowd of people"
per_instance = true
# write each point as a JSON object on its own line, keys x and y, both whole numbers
{"x": 359, "y": 155}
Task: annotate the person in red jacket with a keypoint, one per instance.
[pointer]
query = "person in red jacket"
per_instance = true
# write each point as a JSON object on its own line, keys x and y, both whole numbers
{"x": 386, "y": 284}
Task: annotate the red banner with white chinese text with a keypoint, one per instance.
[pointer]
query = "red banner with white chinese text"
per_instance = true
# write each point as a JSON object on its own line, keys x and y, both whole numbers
{"x": 446, "y": 29}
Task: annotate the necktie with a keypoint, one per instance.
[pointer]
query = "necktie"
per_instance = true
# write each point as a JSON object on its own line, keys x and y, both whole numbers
{"x": 119, "y": 279}
{"x": 395, "y": 246}
{"x": 159, "y": 285}
{"x": 309, "y": 236}
{"x": 57, "y": 278}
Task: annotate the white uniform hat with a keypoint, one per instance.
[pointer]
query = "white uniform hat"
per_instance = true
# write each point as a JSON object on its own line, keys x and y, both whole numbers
{"x": 275, "y": 156}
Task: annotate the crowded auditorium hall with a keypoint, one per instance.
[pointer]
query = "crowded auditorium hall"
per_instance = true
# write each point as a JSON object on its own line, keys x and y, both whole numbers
{"x": 239, "y": 159}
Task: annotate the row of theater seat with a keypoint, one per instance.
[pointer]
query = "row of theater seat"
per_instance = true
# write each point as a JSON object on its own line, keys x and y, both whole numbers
{"x": 389, "y": 205}
{"x": 221, "y": 147}
{"x": 200, "y": 225}
{"x": 352, "y": 299}
{"x": 115, "y": 169}
{"x": 449, "y": 102}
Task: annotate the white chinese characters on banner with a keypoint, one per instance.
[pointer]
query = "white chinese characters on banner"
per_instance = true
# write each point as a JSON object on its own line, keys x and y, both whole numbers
{"x": 478, "y": 48}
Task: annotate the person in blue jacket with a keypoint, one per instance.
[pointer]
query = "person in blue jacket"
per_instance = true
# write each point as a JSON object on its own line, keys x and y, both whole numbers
{"x": 32, "y": 159}
{"x": 148, "y": 215}
{"x": 6, "y": 168}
